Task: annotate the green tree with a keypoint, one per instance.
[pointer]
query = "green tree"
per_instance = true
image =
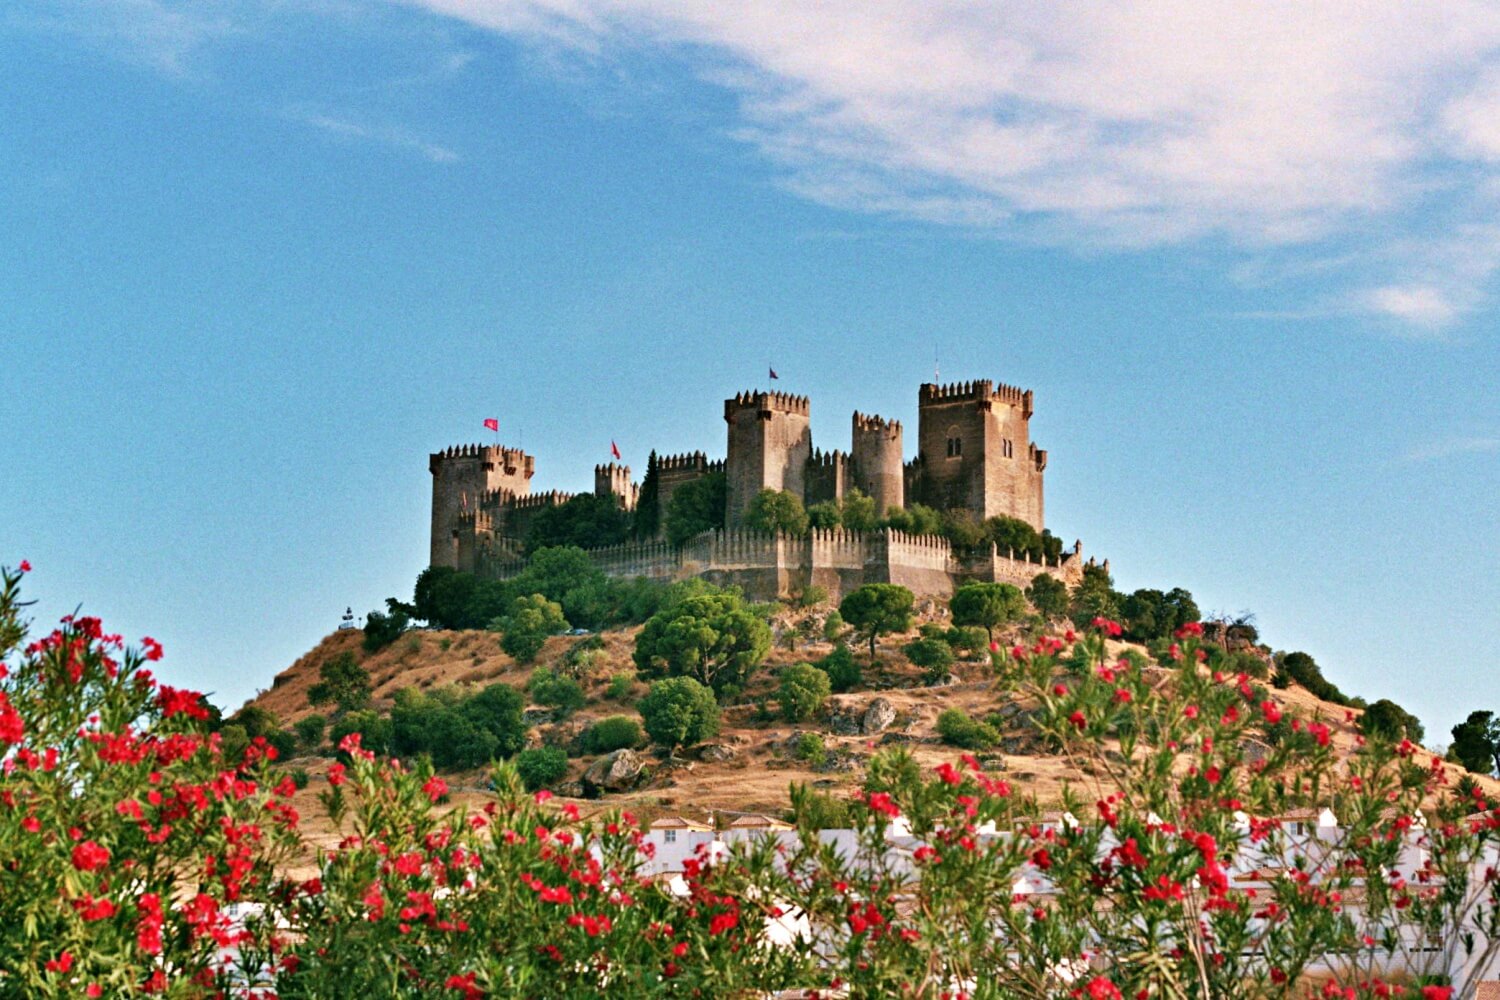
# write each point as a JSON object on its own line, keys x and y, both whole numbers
{"x": 646, "y": 521}
{"x": 531, "y": 620}
{"x": 1476, "y": 742}
{"x": 964, "y": 530}
{"x": 987, "y": 605}
{"x": 878, "y": 609}
{"x": 824, "y": 514}
{"x": 1303, "y": 669}
{"x": 678, "y": 711}
{"x": 1389, "y": 720}
{"x": 777, "y": 510}
{"x": 859, "y": 513}
{"x": 712, "y": 638}
{"x": 933, "y": 655}
{"x": 374, "y": 729}
{"x": 554, "y": 572}
{"x": 833, "y": 626}
{"x": 442, "y": 596}
{"x": 843, "y": 670}
{"x": 1094, "y": 597}
{"x": 497, "y": 709}
{"x": 918, "y": 519}
{"x": 256, "y": 721}
{"x": 541, "y": 767}
{"x": 383, "y": 629}
{"x": 587, "y": 520}
{"x": 697, "y": 506}
{"x": 341, "y": 682}
{"x": 1048, "y": 595}
{"x": 1151, "y": 614}
{"x": 803, "y": 690}
{"x": 1011, "y": 534}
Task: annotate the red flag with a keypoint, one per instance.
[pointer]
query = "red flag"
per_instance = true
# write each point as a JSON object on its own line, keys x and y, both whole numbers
{"x": 773, "y": 373}
{"x": 491, "y": 424}
{"x": 614, "y": 449}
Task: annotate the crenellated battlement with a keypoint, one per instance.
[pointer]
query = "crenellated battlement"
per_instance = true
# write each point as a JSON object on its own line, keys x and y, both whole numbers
{"x": 693, "y": 460}
{"x": 552, "y": 498}
{"x": 953, "y": 392}
{"x": 827, "y": 459}
{"x": 611, "y": 470}
{"x": 869, "y": 422}
{"x": 761, "y": 400}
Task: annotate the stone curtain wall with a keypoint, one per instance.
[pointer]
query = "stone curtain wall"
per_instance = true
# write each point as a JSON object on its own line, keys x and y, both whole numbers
{"x": 771, "y": 566}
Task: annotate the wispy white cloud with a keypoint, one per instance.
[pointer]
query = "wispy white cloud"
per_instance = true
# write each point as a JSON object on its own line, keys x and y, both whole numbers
{"x": 1273, "y": 125}
{"x": 1454, "y": 446}
{"x": 386, "y": 135}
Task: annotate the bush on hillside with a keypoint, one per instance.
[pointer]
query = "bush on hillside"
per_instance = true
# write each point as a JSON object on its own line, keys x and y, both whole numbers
{"x": 342, "y": 682}
{"x": 679, "y": 711}
{"x": 531, "y": 620}
{"x": 1048, "y": 595}
{"x": 803, "y": 690}
{"x": 934, "y": 655}
{"x": 878, "y": 609}
{"x": 541, "y": 767}
{"x": 618, "y": 732}
{"x": 712, "y": 638}
{"x": 957, "y": 729}
{"x": 553, "y": 690}
{"x": 844, "y": 672}
{"x": 987, "y": 605}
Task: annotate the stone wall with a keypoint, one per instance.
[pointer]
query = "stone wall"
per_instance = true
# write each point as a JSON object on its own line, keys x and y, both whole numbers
{"x": 767, "y": 567}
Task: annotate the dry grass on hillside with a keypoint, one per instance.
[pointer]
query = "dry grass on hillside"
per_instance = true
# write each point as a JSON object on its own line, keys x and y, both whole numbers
{"x": 758, "y": 777}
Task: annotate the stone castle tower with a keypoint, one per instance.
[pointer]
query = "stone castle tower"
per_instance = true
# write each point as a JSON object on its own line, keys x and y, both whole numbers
{"x": 770, "y": 443}
{"x": 974, "y": 453}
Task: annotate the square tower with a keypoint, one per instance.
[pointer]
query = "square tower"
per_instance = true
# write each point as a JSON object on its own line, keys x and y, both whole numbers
{"x": 770, "y": 441}
{"x": 461, "y": 477}
{"x": 975, "y": 451}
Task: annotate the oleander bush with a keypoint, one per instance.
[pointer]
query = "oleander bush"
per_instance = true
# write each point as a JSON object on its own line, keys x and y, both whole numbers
{"x": 136, "y": 860}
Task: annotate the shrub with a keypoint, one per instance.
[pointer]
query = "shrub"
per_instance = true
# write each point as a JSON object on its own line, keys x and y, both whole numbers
{"x": 541, "y": 767}
{"x": 1303, "y": 669}
{"x": 934, "y": 655}
{"x": 283, "y": 740}
{"x": 971, "y": 642}
{"x": 833, "y": 626}
{"x": 342, "y": 682}
{"x": 618, "y": 732}
{"x": 299, "y": 777}
{"x": 679, "y": 711}
{"x": 310, "y": 729}
{"x": 809, "y": 747}
{"x": 844, "y": 672}
{"x": 619, "y": 687}
{"x": 375, "y": 730}
{"x": 531, "y": 620}
{"x": 812, "y": 596}
{"x": 957, "y": 729}
{"x": 555, "y": 691}
{"x": 804, "y": 688}
{"x": 696, "y": 506}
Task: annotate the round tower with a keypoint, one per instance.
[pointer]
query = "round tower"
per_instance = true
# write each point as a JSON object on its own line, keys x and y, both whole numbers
{"x": 876, "y": 455}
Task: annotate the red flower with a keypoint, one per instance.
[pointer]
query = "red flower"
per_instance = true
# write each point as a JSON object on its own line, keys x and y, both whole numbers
{"x": 1191, "y": 628}
{"x": 1436, "y": 992}
{"x": 25, "y": 566}
{"x": 1077, "y": 718}
{"x": 1271, "y": 712}
{"x": 12, "y": 726}
{"x": 62, "y": 963}
{"x": 153, "y": 651}
{"x": 90, "y": 856}
{"x": 435, "y": 788}
{"x": 1100, "y": 988}
{"x": 1109, "y": 628}
{"x": 949, "y": 774}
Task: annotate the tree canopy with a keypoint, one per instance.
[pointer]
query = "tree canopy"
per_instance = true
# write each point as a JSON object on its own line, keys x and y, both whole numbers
{"x": 777, "y": 510}
{"x": 877, "y": 609}
{"x": 987, "y": 605}
{"x": 712, "y": 638}
{"x": 588, "y": 521}
{"x": 696, "y": 506}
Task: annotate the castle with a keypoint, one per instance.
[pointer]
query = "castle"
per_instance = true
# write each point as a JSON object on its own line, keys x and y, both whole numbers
{"x": 974, "y": 453}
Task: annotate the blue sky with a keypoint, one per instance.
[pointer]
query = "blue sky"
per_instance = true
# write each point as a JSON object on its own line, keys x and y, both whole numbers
{"x": 261, "y": 258}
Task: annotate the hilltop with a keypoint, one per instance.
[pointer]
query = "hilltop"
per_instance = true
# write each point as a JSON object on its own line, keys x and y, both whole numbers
{"x": 750, "y": 765}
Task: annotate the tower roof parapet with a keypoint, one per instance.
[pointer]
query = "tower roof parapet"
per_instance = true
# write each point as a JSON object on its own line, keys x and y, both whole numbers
{"x": 828, "y": 459}
{"x": 983, "y": 390}
{"x": 552, "y": 498}
{"x": 610, "y": 468}
{"x": 762, "y": 400}
{"x": 872, "y": 422}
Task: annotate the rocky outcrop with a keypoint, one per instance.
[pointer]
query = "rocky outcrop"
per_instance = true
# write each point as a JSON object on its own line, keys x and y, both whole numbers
{"x": 615, "y": 772}
{"x": 879, "y": 715}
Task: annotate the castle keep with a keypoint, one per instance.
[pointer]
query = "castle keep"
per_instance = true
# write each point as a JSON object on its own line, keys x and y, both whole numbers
{"x": 974, "y": 453}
